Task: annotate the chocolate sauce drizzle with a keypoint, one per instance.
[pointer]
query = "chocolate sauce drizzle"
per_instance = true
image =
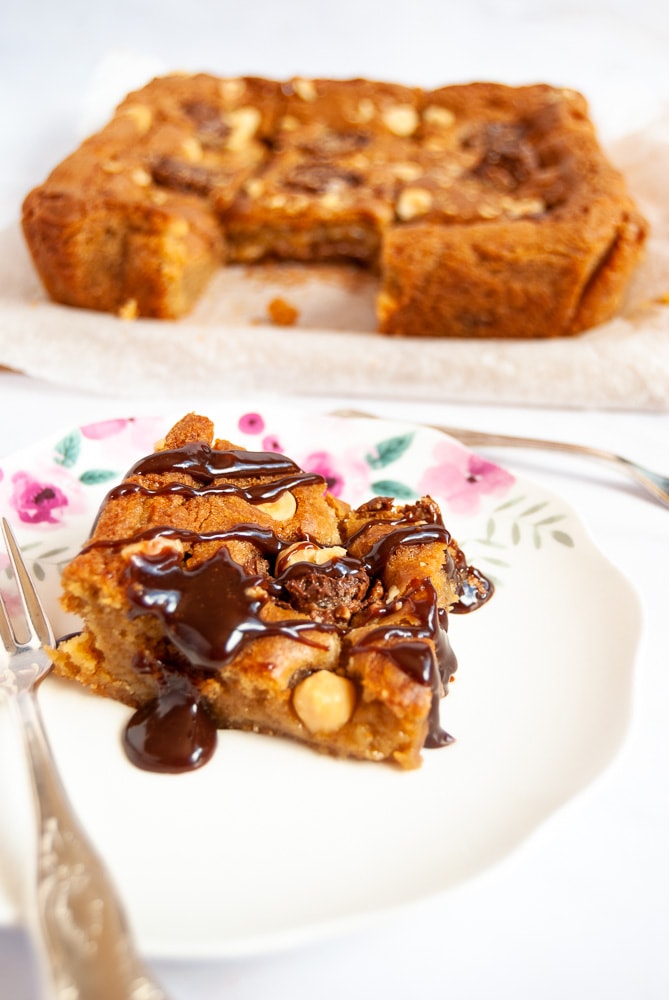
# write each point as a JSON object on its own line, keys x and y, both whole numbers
{"x": 405, "y": 646}
{"x": 172, "y": 733}
{"x": 204, "y": 464}
{"x": 213, "y": 611}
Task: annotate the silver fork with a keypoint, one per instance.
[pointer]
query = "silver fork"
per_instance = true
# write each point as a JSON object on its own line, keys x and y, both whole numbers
{"x": 653, "y": 483}
{"x": 85, "y": 941}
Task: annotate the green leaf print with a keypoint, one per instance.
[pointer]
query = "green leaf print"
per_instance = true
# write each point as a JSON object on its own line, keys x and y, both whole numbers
{"x": 389, "y": 450}
{"x": 91, "y": 477}
{"x": 68, "y": 449}
{"x": 563, "y": 538}
{"x": 518, "y": 521}
{"x": 392, "y": 488}
{"x": 54, "y": 552}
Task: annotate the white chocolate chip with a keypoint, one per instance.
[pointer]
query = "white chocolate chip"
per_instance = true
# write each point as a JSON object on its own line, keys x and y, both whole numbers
{"x": 277, "y": 201}
{"x": 413, "y": 202}
{"x": 232, "y": 91}
{"x": 519, "y": 208}
{"x": 401, "y": 119}
{"x": 306, "y": 89}
{"x": 365, "y": 110}
{"x": 254, "y": 187}
{"x": 331, "y": 200}
{"x": 407, "y": 171}
{"x": 281, "y": 509}
{"x": 112, "y": 166}
{"x": 324, "y": 701}
{"x": 192, "y": 149}
{"x": 140, "y": 177}
{"x": 140, "y": 115}
{"x": 441, "y": 117}
{"x": 244, "y": 123}
{"x": 289, "y": 123}
{"x": 178, "y": 227}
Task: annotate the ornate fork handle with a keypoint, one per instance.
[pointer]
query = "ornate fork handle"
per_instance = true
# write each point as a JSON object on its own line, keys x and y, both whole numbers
{"x": 86, "y": 939}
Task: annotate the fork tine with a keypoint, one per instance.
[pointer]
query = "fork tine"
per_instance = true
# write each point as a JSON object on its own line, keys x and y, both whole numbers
{"x": 6, "y": 630}
{"x": 33, "y": 610}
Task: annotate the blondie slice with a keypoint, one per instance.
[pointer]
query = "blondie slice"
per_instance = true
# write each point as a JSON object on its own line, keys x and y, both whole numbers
{"x": 223, "y": 588}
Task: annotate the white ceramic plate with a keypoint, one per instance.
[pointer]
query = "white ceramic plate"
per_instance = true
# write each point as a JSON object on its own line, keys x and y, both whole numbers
{"x": 271, "y": 844}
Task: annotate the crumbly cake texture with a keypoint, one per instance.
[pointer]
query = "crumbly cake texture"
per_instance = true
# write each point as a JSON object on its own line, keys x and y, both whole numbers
{"x": 273, "y": 604}
{"x": 487, "y": 210}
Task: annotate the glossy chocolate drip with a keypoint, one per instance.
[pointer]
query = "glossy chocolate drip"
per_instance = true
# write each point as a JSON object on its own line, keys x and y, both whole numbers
{"x": 172, "y": 733}
{"x": 376, "y": 559}
{"x": 211, "y": 612}
{"x": 255, "y": 493}
{"x": 204, "y": 463}
{"x": 474, "y": 590}
{"x": 402, "y": 644}
{"x": 264, "y": 538}
{"x": 342, "y": 566}
{"x": 471, "y": 586}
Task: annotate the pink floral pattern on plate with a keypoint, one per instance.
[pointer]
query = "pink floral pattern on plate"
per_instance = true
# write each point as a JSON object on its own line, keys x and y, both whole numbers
{"x": 53, "y": 492}
{"x": 462, "y": 478}
{"x": 36, "y": 501}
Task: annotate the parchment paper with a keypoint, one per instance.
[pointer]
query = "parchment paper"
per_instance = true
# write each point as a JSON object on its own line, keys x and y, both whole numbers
{"x": 228, "y": 344}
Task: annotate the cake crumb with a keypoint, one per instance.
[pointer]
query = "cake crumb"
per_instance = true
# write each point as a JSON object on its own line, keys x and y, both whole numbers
{"x": 129, "y": 309}
{"x": 282, "y": 313}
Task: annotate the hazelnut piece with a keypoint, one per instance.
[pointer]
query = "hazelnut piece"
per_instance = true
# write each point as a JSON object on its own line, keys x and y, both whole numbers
{"x": 281, "y": 509}
{"x": 324, "y": 701}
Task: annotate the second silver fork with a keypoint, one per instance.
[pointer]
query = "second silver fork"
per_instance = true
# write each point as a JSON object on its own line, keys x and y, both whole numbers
{"x": 85, "y": 940}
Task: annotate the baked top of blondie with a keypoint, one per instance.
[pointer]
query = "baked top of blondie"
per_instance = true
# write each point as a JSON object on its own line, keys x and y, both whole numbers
{"x": 196, "y": 171}
{"x": 228, "y": 588}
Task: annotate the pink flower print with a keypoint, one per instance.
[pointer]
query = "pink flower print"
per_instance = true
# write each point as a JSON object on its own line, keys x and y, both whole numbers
{"x": 142, "y": 433}
{"x": 344, "y": 475}
{"x": 323, "y": 464}
{"x": 462, "y": 477}
{"x": 251, "y": 423}
{"x": 36, "y": 502}
{"x": 103, "y": 429}
{"x": 271, "y": 443}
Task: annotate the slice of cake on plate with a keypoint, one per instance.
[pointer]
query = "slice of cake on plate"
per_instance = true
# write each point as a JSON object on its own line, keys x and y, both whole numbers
{"x": 226, "y": 588}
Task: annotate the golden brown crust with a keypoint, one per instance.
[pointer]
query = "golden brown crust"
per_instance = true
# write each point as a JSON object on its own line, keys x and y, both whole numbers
{"x": 488, "y": 210}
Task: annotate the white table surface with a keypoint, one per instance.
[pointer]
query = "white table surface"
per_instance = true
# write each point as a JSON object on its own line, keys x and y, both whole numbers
{"x": 582, "y": 908}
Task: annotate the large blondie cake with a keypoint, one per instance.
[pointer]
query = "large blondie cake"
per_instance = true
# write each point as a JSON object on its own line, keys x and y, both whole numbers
{"x": 487, "y": 210}
{"x": 225, "y": 588}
